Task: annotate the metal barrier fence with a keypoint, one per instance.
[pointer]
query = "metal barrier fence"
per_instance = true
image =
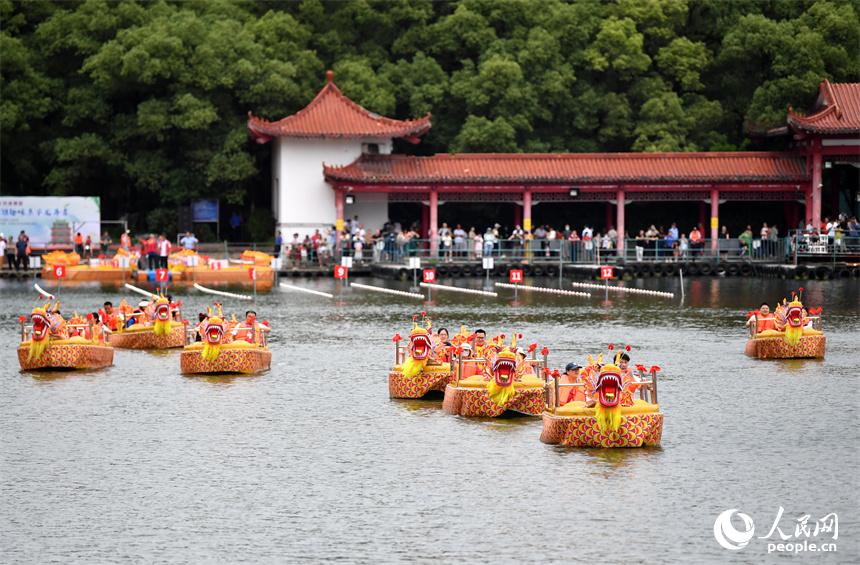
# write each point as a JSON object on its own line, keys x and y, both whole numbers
{"x": 782, "y": 250}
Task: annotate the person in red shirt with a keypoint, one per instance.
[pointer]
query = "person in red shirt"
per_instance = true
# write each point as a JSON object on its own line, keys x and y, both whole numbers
{"x": 151, "y": 252}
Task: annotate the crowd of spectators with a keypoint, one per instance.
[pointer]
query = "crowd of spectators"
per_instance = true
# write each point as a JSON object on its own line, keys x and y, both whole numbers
{"x": 455, "y": 243}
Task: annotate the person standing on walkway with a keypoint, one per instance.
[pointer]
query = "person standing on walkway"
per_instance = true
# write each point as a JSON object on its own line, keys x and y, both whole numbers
{"x": 125, "y": 241}
{"x": 79, "y": 244}
{"x": 151, "y": 252}
{"x": 2, "y": 248}
{"x": 23, "y": 248}
{"x": 190, "y": 242}
{"x": 163, "y": 250}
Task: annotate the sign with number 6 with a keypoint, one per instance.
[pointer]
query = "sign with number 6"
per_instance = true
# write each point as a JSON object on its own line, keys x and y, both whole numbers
{"x": 60, "y": 271}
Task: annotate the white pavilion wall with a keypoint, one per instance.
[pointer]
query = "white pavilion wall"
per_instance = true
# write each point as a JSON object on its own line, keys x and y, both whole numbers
{"x": 303, "y": 200}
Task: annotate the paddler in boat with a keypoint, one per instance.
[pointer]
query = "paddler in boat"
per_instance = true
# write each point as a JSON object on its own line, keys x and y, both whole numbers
{"x": 527, "y": 368}
{"x": 110, "y": 316}
{"x": 570, "y": 376}
{"x": 137, "y": 315}
{"x": 764, "y": 317}
{"x": 249, "y": 329}
{"x": 627, "y": 377}
{"x": 441, "y": 345}
{"x": 479, "y": 343}
{"x": 469, "y": 369}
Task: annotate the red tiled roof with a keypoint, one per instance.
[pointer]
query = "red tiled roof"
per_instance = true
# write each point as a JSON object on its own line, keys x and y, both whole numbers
{"x": 332, "y": 114}
{"x": 837, "y": 110}
{"x": 573, "y": 168}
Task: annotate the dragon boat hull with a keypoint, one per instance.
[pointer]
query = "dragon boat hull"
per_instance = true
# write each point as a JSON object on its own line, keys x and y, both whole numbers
{"x": 576, "y": 426}
{"x": 244, "y": 360}
{"x": 807, "y": 347}
{"x": 472, "y": 399}
{"x": 433, "y": 377}
{"x": 67, "y": 356}
{"x": 145, "y": 338}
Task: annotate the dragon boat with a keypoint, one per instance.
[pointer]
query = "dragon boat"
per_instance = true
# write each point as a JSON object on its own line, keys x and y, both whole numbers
{"x": 155, "y": 327}
{"x": 502, "y": 380}
{"x": 52, "y": 343}
{"x": 614, "y": 419}
{"x": 218, "y": 353}
{"x": 792, "y": 336}
{"x": 419, "y": 367}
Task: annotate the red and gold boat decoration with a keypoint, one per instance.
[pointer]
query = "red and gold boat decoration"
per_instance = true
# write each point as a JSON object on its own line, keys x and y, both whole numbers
{"x": 155, "y": 327}
{"x": 611, "y": 417}
{"x": 796, "y": 335}
{"x": 508, "y": 381}
{"x": 420, "y": 367}
{"x": 52, "y": 343}
{"x": 216, "y": 353}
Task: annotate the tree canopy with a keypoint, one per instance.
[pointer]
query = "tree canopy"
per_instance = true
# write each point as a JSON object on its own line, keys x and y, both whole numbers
{"x": 147, "y": 102}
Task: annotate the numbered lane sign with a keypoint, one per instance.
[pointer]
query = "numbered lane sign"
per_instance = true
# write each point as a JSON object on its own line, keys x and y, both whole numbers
{"x": 605, "y": 272}
{"x": 415, "y": 262}
{"x": 252, "y": 273}
{"x": 429, "y": 275}
{"x": 340, "y": 272}
{"x": 488, "y": 263}
{"x": 60, "y": 271}
{"x": 160, "y": 275}
{"x": 192, "y": 260}
{"x": 346, "y": 261}
{"x": 516, "y": 276}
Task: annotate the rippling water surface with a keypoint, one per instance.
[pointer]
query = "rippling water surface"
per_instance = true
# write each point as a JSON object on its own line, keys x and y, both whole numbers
{"x": 311, "y": 461}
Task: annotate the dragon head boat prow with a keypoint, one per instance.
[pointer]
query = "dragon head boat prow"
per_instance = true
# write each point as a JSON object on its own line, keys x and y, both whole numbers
{"x": 424, "y": 368}
{"x": 213, "y": 335}
{"x": 161, "y": 315}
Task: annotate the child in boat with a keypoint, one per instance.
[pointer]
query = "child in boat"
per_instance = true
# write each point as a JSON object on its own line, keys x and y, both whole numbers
{"x": 627, "y": 378}
{"x": 469, "y": 369}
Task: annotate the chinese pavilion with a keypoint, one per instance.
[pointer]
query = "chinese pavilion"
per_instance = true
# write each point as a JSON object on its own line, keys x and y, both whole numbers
{"x": 351, "y": 147}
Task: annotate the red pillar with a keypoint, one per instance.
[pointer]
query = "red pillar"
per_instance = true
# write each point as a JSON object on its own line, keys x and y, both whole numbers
{"x": 338, "y": 204}
{"x": 425, "y": 222}
{"x": 619, "y": 219}
{"x": 816, "y": 185}
{"x": 608, "y": 217}
{"x": 715, "y": 218}
{"x": 527, "y": 210}
{"x": 807, "y": 214}
{"x": 434, "y": 215}
{"x": 702, "y": 214}
{"x": 518, "y": 215}
{"x": 834, "y": 194}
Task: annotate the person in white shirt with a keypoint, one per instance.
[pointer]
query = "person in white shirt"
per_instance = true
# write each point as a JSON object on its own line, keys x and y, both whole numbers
{"x": 587, "y": 244}
{"x": 460, "y": 240}
{"x": 2, "y": 249}
{"x": 488, "y": 243}
{"x": 163, "y": 251}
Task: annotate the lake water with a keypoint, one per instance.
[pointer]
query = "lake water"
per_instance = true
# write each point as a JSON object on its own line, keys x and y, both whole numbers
{"x": 311, "y": 461}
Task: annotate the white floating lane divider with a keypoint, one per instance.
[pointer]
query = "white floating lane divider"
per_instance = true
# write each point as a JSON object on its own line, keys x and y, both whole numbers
{"x": 146, "y": 293}
{"x": 387, "y": 290}
{"x": 222, "y": 293}
{"x": 624, "y": 289}
{"x": 545, "y": 289}
{"x": 42, "y": 291}
{"x": 455, "y": 289}
{"x": 309, "y": 291}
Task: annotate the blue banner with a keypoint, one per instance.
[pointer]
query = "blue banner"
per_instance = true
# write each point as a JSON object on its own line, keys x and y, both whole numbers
{"x": 206, "y": 211}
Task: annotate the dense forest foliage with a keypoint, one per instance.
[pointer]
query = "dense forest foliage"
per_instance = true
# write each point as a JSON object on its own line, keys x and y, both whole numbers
{"x": 147, "y": 102}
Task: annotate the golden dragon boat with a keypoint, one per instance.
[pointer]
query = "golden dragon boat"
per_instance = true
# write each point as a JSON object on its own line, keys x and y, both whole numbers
{"x": 419, "y": 367}
{"x": 792, "y": 336}
{"x": 503, "y": 380}
{"x": 51, "y": 343}
{"x": 215, "y": 353}
{"x": 155, "y": 327}
{"x": 613, "y": 419}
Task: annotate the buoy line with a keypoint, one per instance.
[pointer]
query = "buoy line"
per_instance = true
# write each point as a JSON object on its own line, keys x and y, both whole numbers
{"x": 546, "y": 290}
